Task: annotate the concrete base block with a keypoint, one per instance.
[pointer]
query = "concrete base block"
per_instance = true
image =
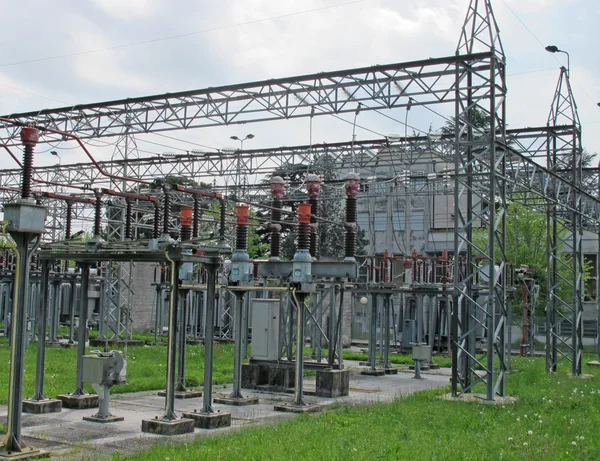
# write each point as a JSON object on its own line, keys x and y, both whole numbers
{"x": 277, "y": 378}
{"x": 594, "y": 363}
{"x": 27, "y": 453}
{"x": 115, "y": 344}
{"x": 37, "y": 407}
{"x": 166, "y": 427}
{"x": 376, "y": 372}
{"x": 78, "y": 402}
{"x": 236, "y": 401}
{"x": 390, "y": 371}
{"x": 293, "y": 408}
{"x": 109, "y": 419}
{"x": 183, "y": 394}
{"x": 333, "y": 383}
{"x": 479, "y": 398}
{"x": 210, "y": 420}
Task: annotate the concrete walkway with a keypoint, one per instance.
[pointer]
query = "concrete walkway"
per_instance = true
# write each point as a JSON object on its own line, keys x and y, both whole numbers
{"x": 66, "y": 435}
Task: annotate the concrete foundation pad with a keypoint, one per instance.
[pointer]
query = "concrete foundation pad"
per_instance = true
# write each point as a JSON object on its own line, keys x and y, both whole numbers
{"x": 332, "y": 383}
{"x": 42, "y": 406}
{"x": 210, "y": 420}
{"x": 110, "y": 419}
{"x": 582, "y": 376}
{"x": 293, "y": 408}
{"x": 390, "y": 371}
{"x": 594, "y": 363}
{"x": 78, "y": 402}
{"x": 115, "y": 344}
{"x": 376, "y": 372}
{"x": 27, "y": 453}
{"x": 237, "y": 401}
{"x": 183, "y": 394}
{"x": 480, "y": 398}
{"x": 166, "y": 427}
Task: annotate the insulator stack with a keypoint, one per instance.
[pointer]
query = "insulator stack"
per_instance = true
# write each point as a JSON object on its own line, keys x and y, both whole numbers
{"x": 156, "y": 230}
{"x": 69, "y": 221}
{"x": 277, "y": 190}
{"x": 29, "y": 137}
{"x": 352, "y": 186}
{"x": 98, "y": 215}
{"x": 166, "y": 212}
{"x": 241, "y": 232}
{"x": 186, "y": 224}
{"x": 127, "y": 219}
{"x": 304, "y": 226}
{"x": 313, "y": 187}
{"x": 196, "y": 224}
{"x": 222, "y": 221}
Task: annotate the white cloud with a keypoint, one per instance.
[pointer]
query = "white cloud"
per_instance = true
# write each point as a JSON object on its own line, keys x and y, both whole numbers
{"x": 103, "y": 68}
{"x": 127, "y": 9}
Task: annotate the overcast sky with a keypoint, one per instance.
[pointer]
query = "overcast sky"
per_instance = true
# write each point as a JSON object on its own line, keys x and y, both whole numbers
{"x": 73, "y": 52}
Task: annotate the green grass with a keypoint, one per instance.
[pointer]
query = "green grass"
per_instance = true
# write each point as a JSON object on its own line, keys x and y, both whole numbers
{"x": 560, "y": 411}
{"x": 147, "y": 338}
{"x": 146, "y": 369}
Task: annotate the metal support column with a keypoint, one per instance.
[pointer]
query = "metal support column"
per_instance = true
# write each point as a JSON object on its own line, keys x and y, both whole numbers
{"x": 182, "y": 336}
{"x": 211, "y": 281}
{"x": 373, "y": 332}
{"x": 238, "y": 333}
{"x": 42, "y": 321}
{"x": 18, "y": 331}
{"x": 82, "y": 330}
{"x": 172, "y": 343}
{"x": 299, "y": 378}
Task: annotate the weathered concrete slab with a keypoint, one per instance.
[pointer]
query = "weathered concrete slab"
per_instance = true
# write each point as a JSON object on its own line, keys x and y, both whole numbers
{"x": 78, "y": 402}
{"x": 42, "y": 406}
{"x": 175, "y": 427}
{"x": 210, "y": 421}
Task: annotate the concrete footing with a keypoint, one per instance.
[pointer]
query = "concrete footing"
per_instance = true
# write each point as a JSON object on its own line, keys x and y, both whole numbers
{"x": 293, "y": 408}
{"x": 390, "y": 371}
{"x": 480, "y": 398}
{"x": 275, "y": 378}
{"x": 115, "y": 344}
{"x": 168, "y": 427}
{"x": 78, "y": 402}
{"x": 37, "y": 407}
{"x": 210, "y": 420}
{"x": 332, "y": 383}
{"x": 236, "y": 401}
{"x": 376, "y": 372}
{"x": 183, "y": 394}
{"x": 108, "y": 419}
{"x": 27, "y": 453}
{"x": 594, "y": 363}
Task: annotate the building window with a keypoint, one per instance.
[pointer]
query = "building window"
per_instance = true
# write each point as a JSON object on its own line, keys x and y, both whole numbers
{"x": 418, "y": 220}
{"x": 420, "y": 180}
{"x": 380, "y": 221}
{"x": 362, "y": 220}
{"x": 591, "y": 287}
{"x": 398, "y": 220}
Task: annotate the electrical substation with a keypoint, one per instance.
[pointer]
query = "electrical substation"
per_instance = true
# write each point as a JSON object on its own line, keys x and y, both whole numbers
{"x": 422, "y": 267}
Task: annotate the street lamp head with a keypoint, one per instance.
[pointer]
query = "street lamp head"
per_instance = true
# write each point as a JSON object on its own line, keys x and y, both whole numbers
{"x": 552, "y": 49}
{"x": 250, "y": 136}
{"x": 235, "y": 138}
{"x": 53, "y": 152}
